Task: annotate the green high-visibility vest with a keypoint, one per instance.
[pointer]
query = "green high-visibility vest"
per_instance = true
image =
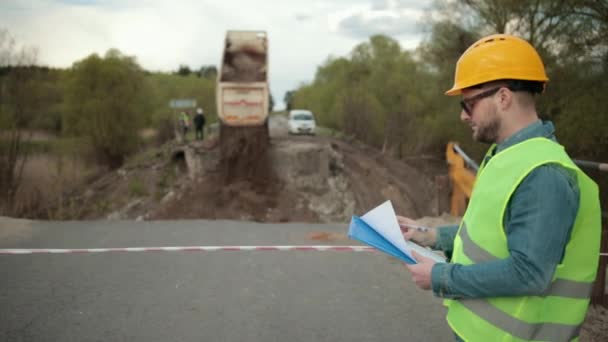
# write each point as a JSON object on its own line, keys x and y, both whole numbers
{"x": 557, "y": 314}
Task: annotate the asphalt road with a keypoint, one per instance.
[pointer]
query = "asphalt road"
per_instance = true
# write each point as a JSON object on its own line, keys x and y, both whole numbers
{"x": 205, "y": 296}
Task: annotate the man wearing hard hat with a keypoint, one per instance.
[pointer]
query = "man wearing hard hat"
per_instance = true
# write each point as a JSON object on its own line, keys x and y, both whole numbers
{"x": 524, "y": 257}
{"x": 199, "y": 124}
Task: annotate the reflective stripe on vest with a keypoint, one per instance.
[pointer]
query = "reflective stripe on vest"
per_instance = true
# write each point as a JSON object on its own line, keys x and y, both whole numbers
{"x": 520, "y": 329}
{"x": 559, "y": 287}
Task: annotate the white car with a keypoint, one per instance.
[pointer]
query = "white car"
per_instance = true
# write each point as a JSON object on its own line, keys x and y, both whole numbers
{"x": 301, "y": 121}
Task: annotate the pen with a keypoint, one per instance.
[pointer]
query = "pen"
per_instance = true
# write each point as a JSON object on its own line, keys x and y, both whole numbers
{"x": 418, "y": 228}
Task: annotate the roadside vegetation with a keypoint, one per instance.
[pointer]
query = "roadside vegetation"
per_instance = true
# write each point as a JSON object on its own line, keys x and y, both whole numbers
{"x": 392, "y": 98}
{"x": 91, "y": 114}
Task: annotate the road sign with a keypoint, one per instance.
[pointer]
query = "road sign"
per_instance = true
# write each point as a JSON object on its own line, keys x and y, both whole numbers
{"x": 182, "y": 103}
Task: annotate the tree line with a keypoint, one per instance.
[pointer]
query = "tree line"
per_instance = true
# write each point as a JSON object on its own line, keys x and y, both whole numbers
{"x": 393, "y": 99}
{"x": 100, "y": 103}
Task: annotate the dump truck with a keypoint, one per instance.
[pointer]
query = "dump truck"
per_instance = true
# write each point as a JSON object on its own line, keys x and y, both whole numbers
{"x": 242, "y": 100}
{"x": 242, "y": 87}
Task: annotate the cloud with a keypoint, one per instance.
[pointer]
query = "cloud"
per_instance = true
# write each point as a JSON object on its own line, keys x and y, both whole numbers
{"x": 380, "y": 5}
{"x": 396, "y": 18}
{"x": 363, "y": 25}
{"x": 107, "y": 4}
{"x": 81, "y": 2}
{"x": 303, "y": 17}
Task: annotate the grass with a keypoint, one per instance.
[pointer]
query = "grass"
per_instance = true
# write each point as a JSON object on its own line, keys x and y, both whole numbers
{"x": 142, "y": 158}
{"x": 46, "y": 178}
{"x": 207, "y": 130}
{"x": 137, "y": 188}
{"x": 59, "y": 147}
{"x": 33, "y": 147}
{"x": 329, "y": 132}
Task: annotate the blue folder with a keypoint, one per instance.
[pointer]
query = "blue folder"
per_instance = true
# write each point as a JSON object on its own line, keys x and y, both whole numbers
{"x": 361, "y": 231}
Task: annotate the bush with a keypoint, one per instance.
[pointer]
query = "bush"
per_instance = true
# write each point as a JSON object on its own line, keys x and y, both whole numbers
{"x": 103, "y": 99}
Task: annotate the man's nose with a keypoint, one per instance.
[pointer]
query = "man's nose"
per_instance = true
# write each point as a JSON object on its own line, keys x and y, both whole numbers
{"x": 464, "y": 116}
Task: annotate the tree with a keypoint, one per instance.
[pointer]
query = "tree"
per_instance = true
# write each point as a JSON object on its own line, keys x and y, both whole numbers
{"x": 102, "y": 105}
{"x": 288, "y": 99}
{"x": 207, "y": 71}
{"x": 184, "y": 70}
{"x": 496, "y": 14}
{"x": 19, "y": 104}
{"x": 590, "y": 24}
{"x": 270, "y": 102}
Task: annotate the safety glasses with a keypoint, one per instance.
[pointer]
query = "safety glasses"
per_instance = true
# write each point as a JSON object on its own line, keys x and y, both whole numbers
{"x": 468, "y": 104}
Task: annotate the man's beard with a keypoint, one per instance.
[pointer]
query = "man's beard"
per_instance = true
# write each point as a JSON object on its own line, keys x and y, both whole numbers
{"x": 488, "y": 132}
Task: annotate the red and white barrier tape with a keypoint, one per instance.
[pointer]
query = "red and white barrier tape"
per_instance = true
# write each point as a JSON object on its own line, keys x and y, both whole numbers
{"x": 189, "y": 249}
{"x": 192, "y": 249}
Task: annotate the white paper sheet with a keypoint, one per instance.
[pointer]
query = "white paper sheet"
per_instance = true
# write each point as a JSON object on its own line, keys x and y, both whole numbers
{"x": 384, "y": 220}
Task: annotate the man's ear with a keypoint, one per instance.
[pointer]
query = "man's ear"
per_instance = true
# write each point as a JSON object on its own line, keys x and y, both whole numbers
{"x": 506, "y": 99}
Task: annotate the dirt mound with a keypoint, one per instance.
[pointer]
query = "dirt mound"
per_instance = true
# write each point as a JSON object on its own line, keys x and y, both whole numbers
{"x": 375, "y": 178}
{"x": 209, "y": 198}
{"x": 245, "y": 65}
{"x": 292, "y": 179}
{"x": 244, "y": 156}
{"x": 244, "y": 175}
{"x": 300, "y": 179}
{"x": 244, "y": 186}
{"x": 595, "y": 328}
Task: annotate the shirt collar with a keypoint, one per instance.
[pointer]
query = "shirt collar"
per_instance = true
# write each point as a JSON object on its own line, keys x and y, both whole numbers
{"x": 534, "y": 130}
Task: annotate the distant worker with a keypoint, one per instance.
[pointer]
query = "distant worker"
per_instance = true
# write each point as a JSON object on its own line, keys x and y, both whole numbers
{"x": 524, "y": 257}
{"x": 184, "y": 120}
{"x": 199, "y": 124}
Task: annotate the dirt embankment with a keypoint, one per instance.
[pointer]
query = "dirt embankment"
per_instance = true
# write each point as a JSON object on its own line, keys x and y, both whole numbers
{"x": 310, "y": 180}
{"x": 284, "y": 179}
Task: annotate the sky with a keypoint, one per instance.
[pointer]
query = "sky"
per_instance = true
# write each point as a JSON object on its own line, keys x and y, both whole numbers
{"x": 163, "y": 34}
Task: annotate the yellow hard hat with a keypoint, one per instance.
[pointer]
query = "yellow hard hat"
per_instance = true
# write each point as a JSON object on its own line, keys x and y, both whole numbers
{"x": 497, "y": 57}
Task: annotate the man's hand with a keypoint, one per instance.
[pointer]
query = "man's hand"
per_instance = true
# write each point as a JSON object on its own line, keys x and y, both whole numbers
{"x": 421, "y": 272}
{"x": 427, "y": 239}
